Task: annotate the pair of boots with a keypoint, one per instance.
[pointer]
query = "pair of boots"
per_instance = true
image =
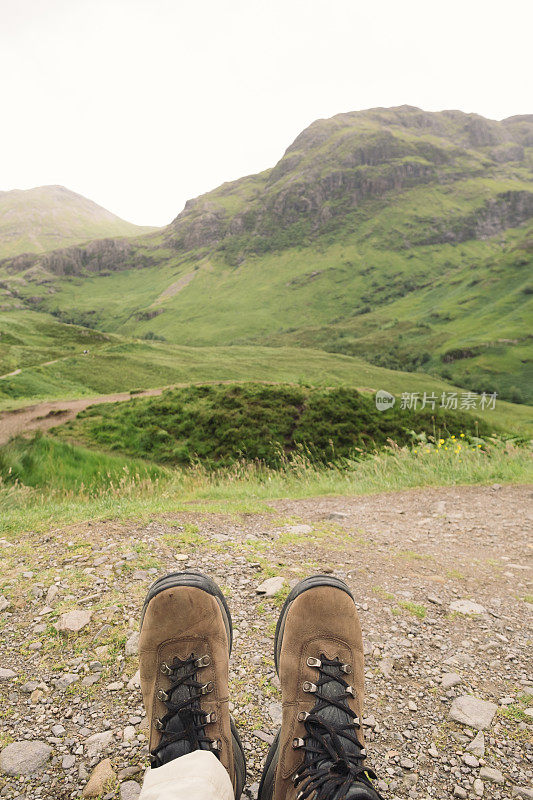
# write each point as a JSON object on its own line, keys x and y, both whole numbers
{"x": 185, "y": 643}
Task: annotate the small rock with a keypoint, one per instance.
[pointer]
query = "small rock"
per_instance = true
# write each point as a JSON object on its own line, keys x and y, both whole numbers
{"x": 470, "y": 761}
{"x": 407, "y": 763}
{"x": 68, "y": 761}
{"x": 102, "y": 776}
{"x": 64, "y": 681}
{"x": 386, "y": 666}
{"x": 73, "y": 621}
{"x": 491, "y": 775}
{"x": 98, "y": 742}
{"x": 128, "y": 733}
{"x": 478, "y": 787}
{"x": 51, "y": 594}
{"x": 274, "y": 709}
{"x": 299, "y": 530}
{"x": 467, "y": 607}
{"x": 523, "y": 792}
{"x": 129, "y": 790}
{"x": 450, "y": 679}
{"x": 458, "y": 791}
{"x": 135, "y": 681}
{"x": 477, "y": 745}
{"x": 271, "y": 586}
{"x": 477, "y": 714}
{"x": 132, "y": 645}
{"x": 24, "y": 758}
{"x": 265, "y": 737}
{"x": 5, "y": 674}
{"x": 433, "y": 752}
{"x": 58, "y": 730}
{"x": 4, "y": 603}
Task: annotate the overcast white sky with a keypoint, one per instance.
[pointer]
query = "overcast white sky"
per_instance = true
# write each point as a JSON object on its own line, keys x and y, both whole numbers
{"x": 142, "y": 104}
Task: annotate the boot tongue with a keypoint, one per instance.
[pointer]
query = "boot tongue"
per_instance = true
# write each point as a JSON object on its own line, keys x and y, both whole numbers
{"x": 182, "y": 723}
{"x": 335, "y": 717}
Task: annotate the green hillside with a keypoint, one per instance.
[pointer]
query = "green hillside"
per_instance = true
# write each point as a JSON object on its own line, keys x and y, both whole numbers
{"x": 395, "y": 235}
{"x": 48, "y": 217}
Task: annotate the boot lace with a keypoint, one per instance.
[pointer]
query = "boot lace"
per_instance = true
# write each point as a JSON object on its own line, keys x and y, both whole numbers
{"x": 186, "y": 710}
{"x": 334, "y": 756}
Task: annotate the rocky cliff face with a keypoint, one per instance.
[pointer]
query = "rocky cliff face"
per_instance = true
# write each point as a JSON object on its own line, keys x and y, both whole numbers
{"x": 336, "y": 166}
{"x": 333, "y": 169}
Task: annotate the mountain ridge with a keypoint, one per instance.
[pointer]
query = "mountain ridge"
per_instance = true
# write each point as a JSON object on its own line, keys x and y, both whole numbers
{"x": 396, "y": 235}
{"x": 50, "y": 217}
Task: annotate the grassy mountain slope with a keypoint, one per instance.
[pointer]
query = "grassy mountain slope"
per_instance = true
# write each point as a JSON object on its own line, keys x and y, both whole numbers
{"x": 397, "y": 235}
{"x": 49, "y": 217}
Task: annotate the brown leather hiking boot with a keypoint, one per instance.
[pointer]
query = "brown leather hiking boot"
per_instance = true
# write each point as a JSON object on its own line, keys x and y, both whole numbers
{"x": 184, "y": 648}
{"x": 319, "y": 751}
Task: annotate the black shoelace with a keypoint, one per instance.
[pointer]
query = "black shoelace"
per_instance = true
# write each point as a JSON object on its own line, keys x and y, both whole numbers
{"x": 334, "y": 756}
{"x": 184, "y": 721}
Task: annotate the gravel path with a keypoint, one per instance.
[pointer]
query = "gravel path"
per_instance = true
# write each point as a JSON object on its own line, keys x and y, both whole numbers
{"x": 449, "y": 684}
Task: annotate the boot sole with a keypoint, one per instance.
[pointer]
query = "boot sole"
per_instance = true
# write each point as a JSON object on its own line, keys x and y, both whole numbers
{"x": 268, "y": 778}
{"x": 197, "y": 580}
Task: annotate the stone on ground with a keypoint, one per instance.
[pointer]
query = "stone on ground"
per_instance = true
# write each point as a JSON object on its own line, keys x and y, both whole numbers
{"x": 102, "y": 776}
{"x": 24, "y": 758}
{"x": 129, "y": 790}
{"x": 271, "y": 586}
{"x": 467, "y": 607}
{"x": 477, "y": 745}
{"x": 73, "y": 621}
{"x": 491, "y": 775}
{"x": 471, "y": 711}
{"x": 450, "y": 679}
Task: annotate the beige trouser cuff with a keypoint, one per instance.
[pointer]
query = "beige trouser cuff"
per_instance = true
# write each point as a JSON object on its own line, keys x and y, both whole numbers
{"x": 196, "y": 776}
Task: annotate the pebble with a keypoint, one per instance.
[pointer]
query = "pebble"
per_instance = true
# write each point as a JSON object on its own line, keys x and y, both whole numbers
{"x": 271, "y": 586}
{"x": 467, "y": 607}
{"x": 101, "y": 777}
{"x": 73, "y": 621}
{"x": 129, "y": 790}
{"x": 477, "y": 745}
{"x": 491, "y": 775}
{"x": 6, "y": 674}
{"x": 450, "y": 679}
{"x": 98, "y": 742}
{"x": 132, "y": 644}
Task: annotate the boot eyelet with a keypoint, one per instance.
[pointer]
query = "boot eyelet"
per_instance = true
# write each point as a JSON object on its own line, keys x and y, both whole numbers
{"x": 296, "y": 743}
{"x": 207, "y": 688}
{"x": 210, "y": 718}
{"x": 162, "y": 695}
{"x": 350, "y": 690}
{"x": 314, "y": 662}
{"x": 346, "y": 668}
{"x": 216, "y": 745}
{"x": 307, "y": 686}
{"x": 362, "y": 752}
{"x": 202, "y": 662}
{"x": 165, "y": 669}
{"x": 302, "y": 716}
{"x": 158, "y": 725}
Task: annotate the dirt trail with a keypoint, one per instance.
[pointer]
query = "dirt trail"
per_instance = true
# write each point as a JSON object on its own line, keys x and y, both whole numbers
{"x": 45, "y": 415}
{"x": 408, "y": 558}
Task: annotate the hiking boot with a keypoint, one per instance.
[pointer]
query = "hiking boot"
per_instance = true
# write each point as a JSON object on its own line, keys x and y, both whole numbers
{"x": 319, "y": 751}
{"x": 184, "y": 649}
